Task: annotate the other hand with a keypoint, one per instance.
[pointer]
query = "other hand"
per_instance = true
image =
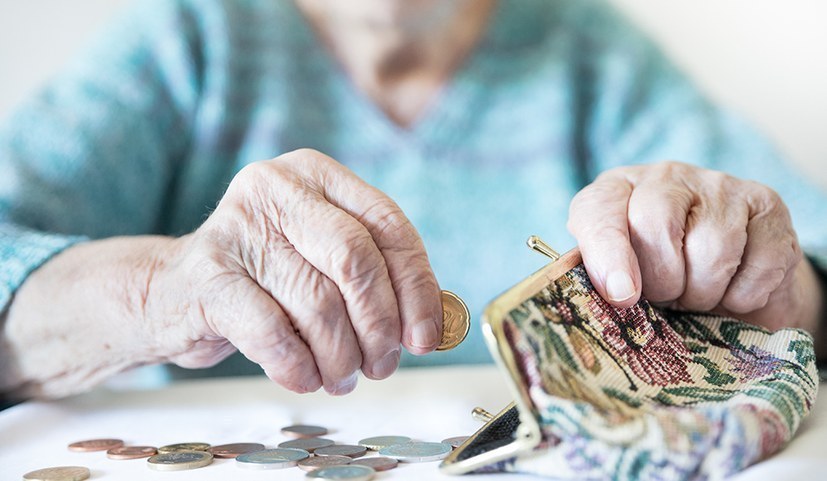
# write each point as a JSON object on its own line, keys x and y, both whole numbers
{"x": 694, "y": 239}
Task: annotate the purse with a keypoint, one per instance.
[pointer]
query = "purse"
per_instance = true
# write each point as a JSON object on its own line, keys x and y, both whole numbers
{"x": 632, "y": 394}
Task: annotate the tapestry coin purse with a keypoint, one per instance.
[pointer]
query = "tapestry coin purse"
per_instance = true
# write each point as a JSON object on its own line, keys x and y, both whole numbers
{"x": 632, "y": 394}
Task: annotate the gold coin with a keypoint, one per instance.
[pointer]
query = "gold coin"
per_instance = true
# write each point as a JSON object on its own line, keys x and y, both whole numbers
{"x": 456, "y": 321}
{"x": 179, "y": 447}
{"x": 179, "y": 461}
{"x": 60, "y": 473}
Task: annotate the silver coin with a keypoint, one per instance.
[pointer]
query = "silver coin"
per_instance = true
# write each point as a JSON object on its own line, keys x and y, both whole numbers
{"x": 317, "y": 462}
{"x": 308, "y": 444}
{"x": 179, "y": 461}
{"x": 349, "y": 472}
{"x": 416, "y": 452}
{"x": 378, "y": 442}
{"x": 348, "y": 450}
{"x": 271, "y": 458}
{"x": 456, "y": 441}
{"x": 303, "y": 431}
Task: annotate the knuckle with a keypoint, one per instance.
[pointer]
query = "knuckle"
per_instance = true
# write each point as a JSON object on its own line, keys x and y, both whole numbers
{"x": 320, "y": 297}
{"x": 378, "y": 331}
{"x": 658, "y": 223}
{"x": 670, "y": 169}
{"x": 357, "y": 261}
{"x": 256, "y": 173}
{"x": 417, "y": 278}
{"x": 599, "y": 235}
{"x": 755, "y": 284}
{"x": 391, "y": 225}
{"x": 747, "y": 301}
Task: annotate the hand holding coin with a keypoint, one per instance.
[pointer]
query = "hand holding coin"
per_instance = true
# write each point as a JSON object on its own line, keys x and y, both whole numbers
{"x": 306, "y": 269}
{"x": 309, "y": 272}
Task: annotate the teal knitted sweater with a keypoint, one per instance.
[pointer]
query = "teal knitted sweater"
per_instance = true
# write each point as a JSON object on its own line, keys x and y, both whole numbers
{"x": 145, "y": 130}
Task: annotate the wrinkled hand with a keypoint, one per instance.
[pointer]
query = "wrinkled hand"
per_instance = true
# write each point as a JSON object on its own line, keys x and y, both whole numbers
{"x": 309, "y": 272}
{"x": 694, "y": 239}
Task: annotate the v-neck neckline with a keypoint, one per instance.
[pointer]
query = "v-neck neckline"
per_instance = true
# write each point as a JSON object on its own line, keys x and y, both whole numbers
{"x": 450, "y": 107}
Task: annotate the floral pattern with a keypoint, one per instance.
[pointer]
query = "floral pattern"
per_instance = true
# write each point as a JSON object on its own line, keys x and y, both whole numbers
{"x": 649, "y": 394}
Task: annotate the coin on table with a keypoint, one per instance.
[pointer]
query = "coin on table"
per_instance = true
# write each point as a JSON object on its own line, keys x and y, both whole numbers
{"x": 378, "y": 463}
{"x": 308, "y": 444}
{"x": 316, "y": 462}
{"x": 416, "y": 452}
{"x": 179, "y": 461}
{"x": 349, "y": 450}
{"x": 235, "y": 449}
{"x": 456, "y": 441}
{"x": 271, "y": 458}
{"x": 179, "y": 447}
{"x": 349, "y": 472}
{"x": 456, "y": 321}
{"x": 131, "y": 452}
{"x": 58, "y": 473}
{"x": 95, "y": 445}
{"x": 303, "y": 431}
{"x": 378, "y": 442}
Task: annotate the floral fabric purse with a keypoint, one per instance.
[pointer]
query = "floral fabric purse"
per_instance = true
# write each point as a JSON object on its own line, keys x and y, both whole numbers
{"x": 633, "y": 394}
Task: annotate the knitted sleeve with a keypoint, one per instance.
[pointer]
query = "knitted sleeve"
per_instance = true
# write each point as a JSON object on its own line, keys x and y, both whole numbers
{"x": 94, "y": 153}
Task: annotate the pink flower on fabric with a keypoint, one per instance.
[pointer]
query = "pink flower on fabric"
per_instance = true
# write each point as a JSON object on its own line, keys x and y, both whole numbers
{"x": 640, "y": 336}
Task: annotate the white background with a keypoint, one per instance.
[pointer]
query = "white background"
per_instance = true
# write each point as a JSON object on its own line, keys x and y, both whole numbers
{"x": 765, "y": 58}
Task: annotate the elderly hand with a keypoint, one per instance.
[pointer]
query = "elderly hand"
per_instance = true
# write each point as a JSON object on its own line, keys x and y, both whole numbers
{"x": 308, "y": 271}
{"x": 694, "y": 239}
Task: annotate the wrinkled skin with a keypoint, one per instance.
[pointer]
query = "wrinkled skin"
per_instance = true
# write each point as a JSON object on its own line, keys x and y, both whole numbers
{"x": 695, "y": 239}
{"x": 309, "y": 272}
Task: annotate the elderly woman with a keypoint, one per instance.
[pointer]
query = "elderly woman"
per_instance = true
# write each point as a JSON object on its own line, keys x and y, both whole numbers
{"x": 159, "y": 203}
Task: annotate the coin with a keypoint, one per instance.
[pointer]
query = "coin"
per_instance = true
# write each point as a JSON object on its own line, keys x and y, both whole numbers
{"x": 378, "y": 442}
{"x": 303, "y": 431}
{"x": 131, "y": 452}
{"x": 95, "y": 445}
{"x": 351, "y": 473}
{"x": 179, "y": 461}
{"x": 308, "y": 444}
{"x": 378, "y": 463}
{"x": 316, "y": 462}
{"x": 416, "y": 452}
{"x": 234, "y": 449}
{"x": 271, "y": 458}
{"x": 455, "y": 321}
{"x": 456, "y": 441}
{"x": 179, "y": 447}
{"x": 59, "y": 473}
{"x": 342, "y": 450}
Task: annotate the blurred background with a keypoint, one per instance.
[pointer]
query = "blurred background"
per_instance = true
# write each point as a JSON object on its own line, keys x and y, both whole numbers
{"x": 766, "y": 59}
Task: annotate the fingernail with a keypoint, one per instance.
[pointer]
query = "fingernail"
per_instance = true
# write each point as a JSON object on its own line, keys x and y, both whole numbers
{"x": 619, "y": 286}
{"x": 386, "y": 366}
{"x": 344, "y": 386}
{"x": 424, "y": 335}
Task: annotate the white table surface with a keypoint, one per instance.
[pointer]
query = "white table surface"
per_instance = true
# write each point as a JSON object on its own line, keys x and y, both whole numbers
{"x": 425, "y": 404}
